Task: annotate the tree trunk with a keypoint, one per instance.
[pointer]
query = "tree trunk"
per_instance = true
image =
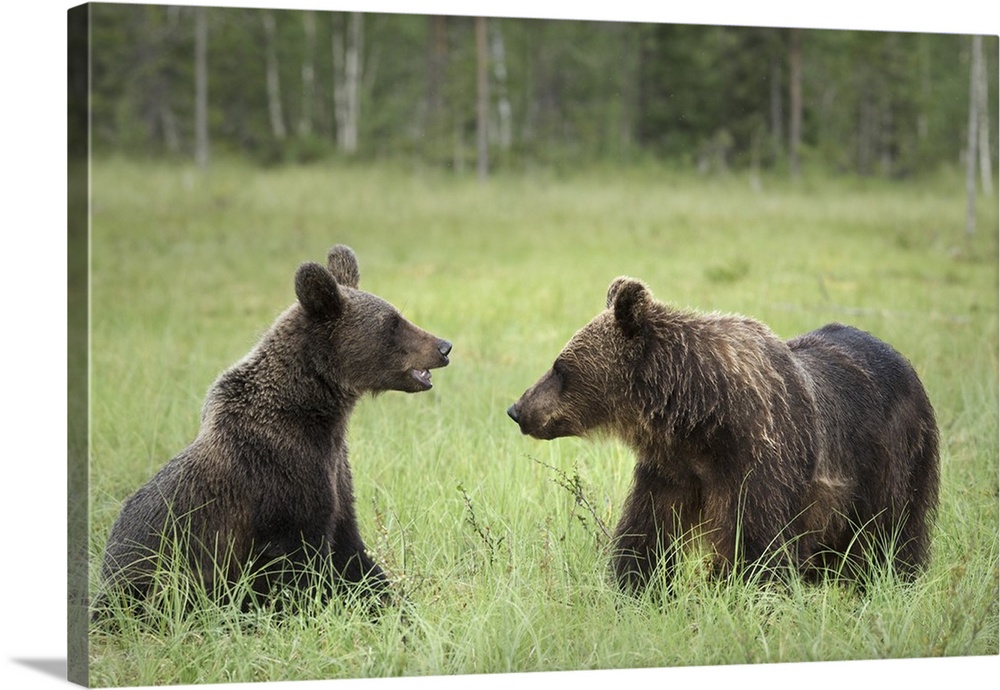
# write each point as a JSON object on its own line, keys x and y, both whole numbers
{"x": 201, "y": 87}
{"x": 339, "y": 97}
{"x": 866, "y": 130}
{"x": 973, "y": 138}
{"x": 347, "y": 72}
{"x": 168, "y": 123}
{"x": 308, "y": 73}
{"x": 923, "y": 119}
{"x": 631, "y": 42}
{"x": 352, "y": 64}
{"x": 432, "y": 127}
{"x": 795, "y": 102}
{"x": 983, "y": 121}
{"x": 483, "y": 100}
{"x": 777, "y": 112}
{"x": 499, "y": 61}
{"x": 273, "y": 79}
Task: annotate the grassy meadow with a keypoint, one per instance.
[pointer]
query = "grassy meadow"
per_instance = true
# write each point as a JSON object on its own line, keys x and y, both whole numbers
{"x": 495, "y": 541}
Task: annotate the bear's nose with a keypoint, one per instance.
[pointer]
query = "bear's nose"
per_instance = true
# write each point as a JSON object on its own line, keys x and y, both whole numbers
{"x": 444, "y": 347}
{"x": 512, "y": 412}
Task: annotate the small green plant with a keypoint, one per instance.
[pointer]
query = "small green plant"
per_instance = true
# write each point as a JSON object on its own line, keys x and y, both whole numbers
{"x": 490, "y": 541}
{"x": 573, "y": 484}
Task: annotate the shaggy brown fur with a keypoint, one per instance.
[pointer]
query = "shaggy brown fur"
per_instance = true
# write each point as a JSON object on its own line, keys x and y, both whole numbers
{"x": 814, "y": 451}
{"x": 265, "y": 487}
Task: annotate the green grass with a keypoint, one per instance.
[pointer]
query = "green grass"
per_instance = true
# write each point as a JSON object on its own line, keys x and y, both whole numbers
{"x": 497, "y": 565}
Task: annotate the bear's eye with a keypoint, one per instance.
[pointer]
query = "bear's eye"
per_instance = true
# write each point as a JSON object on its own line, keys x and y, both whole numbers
{"x": 560, "y": 370}
{"x": 393, "y": 322}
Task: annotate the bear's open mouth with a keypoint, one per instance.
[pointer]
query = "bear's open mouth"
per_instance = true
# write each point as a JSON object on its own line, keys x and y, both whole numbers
{"x": 423, "y": 377}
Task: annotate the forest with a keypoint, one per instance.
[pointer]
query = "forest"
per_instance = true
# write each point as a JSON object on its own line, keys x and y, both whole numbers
{"x": 478, "y": 94}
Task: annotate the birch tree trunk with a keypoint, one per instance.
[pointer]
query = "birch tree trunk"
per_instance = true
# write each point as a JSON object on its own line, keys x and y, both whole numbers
{"x": 273, "y": 79}
{"x": 201, "y": 87}
{"x": 352, "y": 64}
{"x": 504, "y": 111}
{"x": 973, "y": 137}
{"x": 983, "y": 120}
{"x": 339, "y": 99}
{"x": 347, "y": 72}
{"x": 483, "y": 101}
{"x": 308, "y": 73}
{"x": 168, "y": 123}
{"x": 795, "y": 103}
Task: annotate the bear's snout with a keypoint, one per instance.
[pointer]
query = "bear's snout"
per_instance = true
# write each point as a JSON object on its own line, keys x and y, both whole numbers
{"x": 443, "y": 348}
{"x": 517, "y": 414}
{"x": 514, "y": 413}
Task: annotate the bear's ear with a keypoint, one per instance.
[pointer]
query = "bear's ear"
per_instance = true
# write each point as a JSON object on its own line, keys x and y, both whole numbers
{"x": 343, "y": 266}
{"x": 317, "y": 291}
{"x": 628, "y": 298}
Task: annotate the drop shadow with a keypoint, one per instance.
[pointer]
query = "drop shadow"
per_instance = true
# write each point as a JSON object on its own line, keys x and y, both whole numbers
{"x": 50, "y": 667}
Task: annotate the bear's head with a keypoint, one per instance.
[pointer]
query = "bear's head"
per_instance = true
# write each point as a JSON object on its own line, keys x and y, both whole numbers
{"x": 356, "y": 340}
{"x": 589, "y": 386}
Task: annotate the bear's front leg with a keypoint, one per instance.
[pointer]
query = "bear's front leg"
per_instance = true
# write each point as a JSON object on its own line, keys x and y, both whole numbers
{"x": 751, "y": 524}
{"x": 648, "y": 533}
{"x": 351, "y": 562}
{"x": 637, "y": 553}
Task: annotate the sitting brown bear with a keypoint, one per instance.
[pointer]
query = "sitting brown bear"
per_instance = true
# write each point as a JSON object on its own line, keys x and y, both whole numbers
{"x": 821, "y": 451}
{"x": 265, "y": 487}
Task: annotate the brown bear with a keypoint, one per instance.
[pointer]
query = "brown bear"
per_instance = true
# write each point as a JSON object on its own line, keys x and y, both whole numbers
{"x": 263, "y": 494}
{"x": 819, "y": 452}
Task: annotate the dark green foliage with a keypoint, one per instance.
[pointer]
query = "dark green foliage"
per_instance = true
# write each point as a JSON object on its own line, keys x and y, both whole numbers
{"x": 715, "y": 97}
{"x": 705, "y": 86}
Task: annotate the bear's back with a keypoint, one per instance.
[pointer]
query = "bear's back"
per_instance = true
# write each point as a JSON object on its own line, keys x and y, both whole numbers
{"x": 854, "y": 362}
{"x": 872, "y": 413}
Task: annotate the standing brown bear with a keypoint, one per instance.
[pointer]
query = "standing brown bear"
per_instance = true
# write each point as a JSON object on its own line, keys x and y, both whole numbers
{"x": 820, "y": 451}
{"x": 265, "y": 487}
